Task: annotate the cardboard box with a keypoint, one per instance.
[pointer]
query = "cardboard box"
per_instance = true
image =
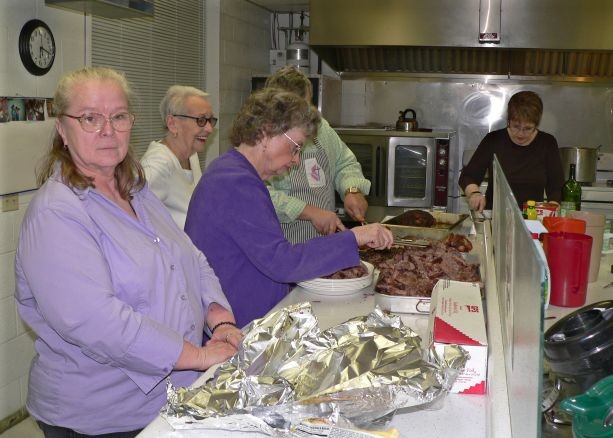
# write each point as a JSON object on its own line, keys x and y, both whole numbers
{"x": 456, "y": 317}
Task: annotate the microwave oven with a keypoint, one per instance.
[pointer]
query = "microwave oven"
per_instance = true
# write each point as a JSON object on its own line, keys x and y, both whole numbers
{"x": 407, "y": 169}
{"x": 327, "y": 92}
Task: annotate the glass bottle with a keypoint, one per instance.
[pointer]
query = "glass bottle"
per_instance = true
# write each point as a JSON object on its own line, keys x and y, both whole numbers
{"x": 571, "y": 194}
{"x": 531, "y": 210}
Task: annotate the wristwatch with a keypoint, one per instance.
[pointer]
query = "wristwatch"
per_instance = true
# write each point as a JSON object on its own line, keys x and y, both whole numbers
{"x": 352, "y": 190}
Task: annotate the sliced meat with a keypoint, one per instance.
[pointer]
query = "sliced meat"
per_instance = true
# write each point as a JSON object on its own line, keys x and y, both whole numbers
{"x": 414, "y": 271}
{"x": 414, "y": 218}
{"x": 349, "y": 273}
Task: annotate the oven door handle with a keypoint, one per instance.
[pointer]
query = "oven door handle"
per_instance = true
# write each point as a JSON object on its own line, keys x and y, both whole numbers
{"x": 381, "y": 168}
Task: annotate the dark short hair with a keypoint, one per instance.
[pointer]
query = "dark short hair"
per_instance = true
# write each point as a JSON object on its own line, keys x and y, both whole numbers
{"x": 525, "y": 106}
{"x": 289, "y": 78}
{"x": 270, "y": 112}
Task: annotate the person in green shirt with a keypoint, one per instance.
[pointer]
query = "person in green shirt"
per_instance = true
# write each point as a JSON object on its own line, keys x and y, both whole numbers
{"x": 304, "y": 198}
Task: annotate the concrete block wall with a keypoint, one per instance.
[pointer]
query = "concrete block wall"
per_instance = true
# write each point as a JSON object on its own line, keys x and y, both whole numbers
{"x": 244, "y": 38}
{"x": 16, "y": 340}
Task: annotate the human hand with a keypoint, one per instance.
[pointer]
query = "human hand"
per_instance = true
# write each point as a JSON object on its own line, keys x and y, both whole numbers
{"x": 373, "y": 235}
{"x": 356, "y": 205}
{"x": 214, "y": 353}
{"x": 476, "y": 201}
{"x": 227, "y": 333}
{"x": 324, "y": 221}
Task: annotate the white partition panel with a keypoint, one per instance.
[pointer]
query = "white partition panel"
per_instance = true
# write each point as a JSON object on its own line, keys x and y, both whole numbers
{"x": 519, "y": 273}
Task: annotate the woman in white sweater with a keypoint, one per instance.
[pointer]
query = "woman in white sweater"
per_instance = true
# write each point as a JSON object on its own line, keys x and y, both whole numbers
{"x": 171, "y": 164}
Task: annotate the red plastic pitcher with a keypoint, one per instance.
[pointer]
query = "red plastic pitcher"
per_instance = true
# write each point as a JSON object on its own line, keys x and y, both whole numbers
{"x": 568, "y": 257}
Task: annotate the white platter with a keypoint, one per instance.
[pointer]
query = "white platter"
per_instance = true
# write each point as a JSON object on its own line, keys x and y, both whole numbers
{"x": 331, "y": 287}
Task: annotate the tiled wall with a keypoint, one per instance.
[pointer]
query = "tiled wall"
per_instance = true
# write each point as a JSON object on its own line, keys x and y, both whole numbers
{"x": 16, "y": 341}
{"x": 244, "y": 47}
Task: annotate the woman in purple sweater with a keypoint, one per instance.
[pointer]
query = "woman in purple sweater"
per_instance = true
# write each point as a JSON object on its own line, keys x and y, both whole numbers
{"x": 231, "y": 217}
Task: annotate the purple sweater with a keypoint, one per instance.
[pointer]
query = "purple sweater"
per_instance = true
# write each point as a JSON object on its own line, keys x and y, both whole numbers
{"x": 231, "y": 218}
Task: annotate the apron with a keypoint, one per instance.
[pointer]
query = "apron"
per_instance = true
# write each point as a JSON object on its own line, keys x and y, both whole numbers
{"x": 312, "y": 183}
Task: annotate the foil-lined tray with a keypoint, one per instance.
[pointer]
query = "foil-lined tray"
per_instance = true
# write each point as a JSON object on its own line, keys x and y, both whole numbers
{"x": 287, "y": 371}
{"x": 445, "y": 222}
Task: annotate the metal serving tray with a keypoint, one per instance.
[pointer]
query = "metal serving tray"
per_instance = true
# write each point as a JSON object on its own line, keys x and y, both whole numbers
{"x": 398, "y": 304}
{"x": 421, "y": 305}
{"x": 445, "y": 222}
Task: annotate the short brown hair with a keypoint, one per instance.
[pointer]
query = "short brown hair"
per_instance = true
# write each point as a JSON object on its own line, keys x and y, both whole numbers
{"x": 128, "y": 174}
{"x": 289, "y": 78}
{"x": 270, "y": 112}
{"x": 525, "y": 106}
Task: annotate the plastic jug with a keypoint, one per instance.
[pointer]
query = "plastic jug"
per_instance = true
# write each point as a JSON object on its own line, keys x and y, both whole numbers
{"x": 594, "y": 227}
{"x": 568, "y": 257}
{"x": 567, "y": 224}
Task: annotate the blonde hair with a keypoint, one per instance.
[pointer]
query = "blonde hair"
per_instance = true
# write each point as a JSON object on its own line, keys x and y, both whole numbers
{"x": 173, "y": 101}
{"x": 128, "y": 174}
{"x": 289, "y": 78}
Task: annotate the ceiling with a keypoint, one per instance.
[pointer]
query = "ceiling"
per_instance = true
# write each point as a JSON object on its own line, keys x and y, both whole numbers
{"x": 283, "y": 5}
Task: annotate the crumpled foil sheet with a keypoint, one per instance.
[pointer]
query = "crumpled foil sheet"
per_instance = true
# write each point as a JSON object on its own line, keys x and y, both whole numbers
{"x": 288, "y": 370}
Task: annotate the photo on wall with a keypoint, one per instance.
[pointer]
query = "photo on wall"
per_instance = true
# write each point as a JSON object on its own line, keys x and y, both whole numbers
{"x": 50, "y": 108}
{"x": 4, "y": 110}
{"x": 17, "y": 109}
{"x": 35, "y": 109}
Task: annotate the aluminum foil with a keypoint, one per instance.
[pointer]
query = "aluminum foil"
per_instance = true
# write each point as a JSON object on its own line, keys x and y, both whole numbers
{"x": 288, "y": 370}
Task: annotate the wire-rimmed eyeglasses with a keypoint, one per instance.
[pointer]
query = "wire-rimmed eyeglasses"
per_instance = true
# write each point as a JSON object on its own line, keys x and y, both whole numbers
{"x": 297, "y": 148}
{"x": 95, "y": 122}
{"x": 200, "y": 121}
{"x": 516, "y": 129}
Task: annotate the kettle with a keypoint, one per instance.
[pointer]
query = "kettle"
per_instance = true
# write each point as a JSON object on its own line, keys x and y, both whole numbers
{"x": 406, "y": 124}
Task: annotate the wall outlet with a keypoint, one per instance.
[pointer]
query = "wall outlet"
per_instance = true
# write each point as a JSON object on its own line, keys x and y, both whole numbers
{"x": 10, "y": 203}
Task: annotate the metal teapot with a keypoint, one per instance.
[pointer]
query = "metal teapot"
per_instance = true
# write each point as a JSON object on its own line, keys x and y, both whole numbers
{"x": 406, "y": 124}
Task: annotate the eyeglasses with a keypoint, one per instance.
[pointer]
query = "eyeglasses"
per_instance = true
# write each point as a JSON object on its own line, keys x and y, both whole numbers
{"x": 95, "y": 122}
{"x": 516, "y": 129}
{"x": 296, "y": 149}
{"x": 200, "y": 121}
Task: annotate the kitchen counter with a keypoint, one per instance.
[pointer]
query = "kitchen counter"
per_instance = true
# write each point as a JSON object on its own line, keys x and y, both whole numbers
{"x": 460, "y": 415}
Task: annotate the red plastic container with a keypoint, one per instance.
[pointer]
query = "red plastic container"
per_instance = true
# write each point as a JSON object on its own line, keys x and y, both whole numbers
{"x": 568, "y": 257}
{"x": 564, "y": 224}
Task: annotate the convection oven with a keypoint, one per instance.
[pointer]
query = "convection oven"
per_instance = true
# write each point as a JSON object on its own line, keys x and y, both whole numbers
{"x": 407, "y": 169}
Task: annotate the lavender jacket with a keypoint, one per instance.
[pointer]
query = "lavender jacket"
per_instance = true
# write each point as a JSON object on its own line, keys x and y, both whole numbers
{"x": 111, "y": 299}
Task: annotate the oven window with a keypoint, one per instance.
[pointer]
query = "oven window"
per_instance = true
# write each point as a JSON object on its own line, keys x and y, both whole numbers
{"x": 410, "y": 171}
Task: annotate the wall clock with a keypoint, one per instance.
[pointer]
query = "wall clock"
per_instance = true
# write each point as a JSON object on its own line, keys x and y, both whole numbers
{"x": 36, "y": 47}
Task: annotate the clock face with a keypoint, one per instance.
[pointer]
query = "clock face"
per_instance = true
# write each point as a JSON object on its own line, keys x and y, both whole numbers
{"x": 42, "y": 49}
{"x": 36, "y": 47}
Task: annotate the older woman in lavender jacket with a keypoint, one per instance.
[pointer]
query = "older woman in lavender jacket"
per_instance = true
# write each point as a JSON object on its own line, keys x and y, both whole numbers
{"x": 116, "y": 293}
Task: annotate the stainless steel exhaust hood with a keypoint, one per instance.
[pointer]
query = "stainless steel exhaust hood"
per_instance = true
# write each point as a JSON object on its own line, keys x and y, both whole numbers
{"x": 108, "y": 8}
{"x": 564, "y": 39}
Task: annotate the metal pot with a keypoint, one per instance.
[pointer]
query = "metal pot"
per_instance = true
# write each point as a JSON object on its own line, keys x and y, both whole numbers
{"x": 406, "y": 124}
{"x": 585, "y": 160}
